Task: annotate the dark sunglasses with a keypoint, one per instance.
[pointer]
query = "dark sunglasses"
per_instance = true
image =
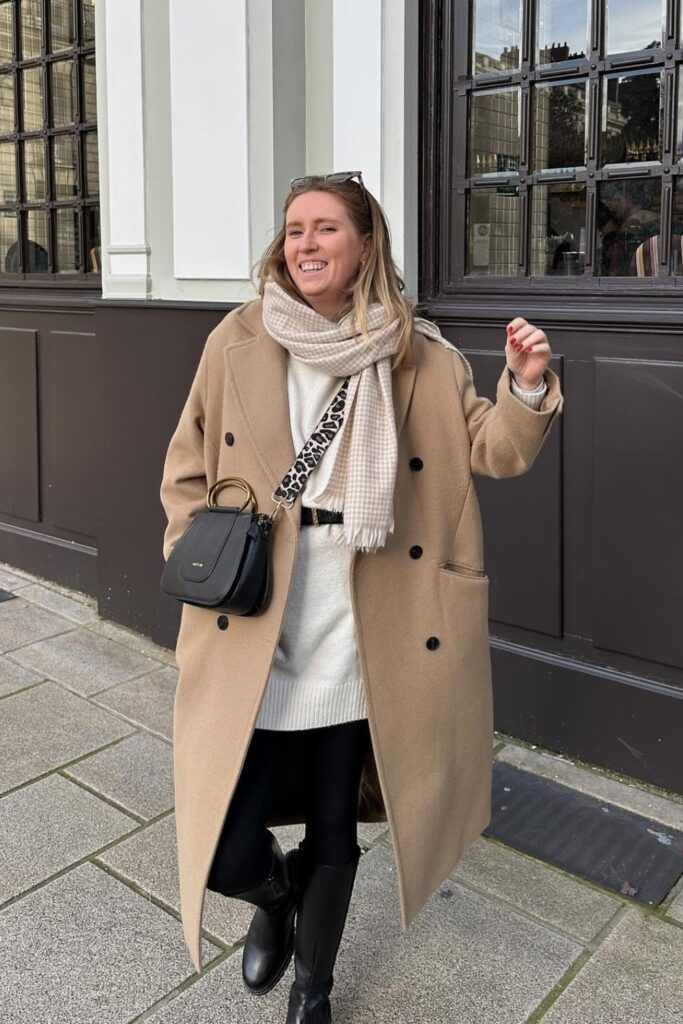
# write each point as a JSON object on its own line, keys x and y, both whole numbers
{"x": 314, "y": 179}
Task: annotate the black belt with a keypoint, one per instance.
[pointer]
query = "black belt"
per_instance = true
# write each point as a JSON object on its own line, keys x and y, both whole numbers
{"x": 319, "y": 516}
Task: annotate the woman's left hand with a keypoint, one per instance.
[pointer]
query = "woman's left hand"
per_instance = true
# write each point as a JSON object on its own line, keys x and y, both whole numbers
{"x": 527, "y": 352}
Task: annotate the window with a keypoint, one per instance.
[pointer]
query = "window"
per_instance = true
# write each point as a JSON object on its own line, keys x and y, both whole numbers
{"x": 561, "y": 147}
{"x": 49, "y": 183}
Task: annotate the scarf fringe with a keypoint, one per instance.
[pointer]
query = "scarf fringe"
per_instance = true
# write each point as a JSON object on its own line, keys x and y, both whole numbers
{"x": 363, "y": 538}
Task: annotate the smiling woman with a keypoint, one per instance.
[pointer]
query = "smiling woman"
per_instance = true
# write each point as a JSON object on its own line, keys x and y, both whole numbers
{"x": 370, "y": 659}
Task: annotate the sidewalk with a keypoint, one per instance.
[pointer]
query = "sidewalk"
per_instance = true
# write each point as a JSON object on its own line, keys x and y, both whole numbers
{"x": 89, "y": 923}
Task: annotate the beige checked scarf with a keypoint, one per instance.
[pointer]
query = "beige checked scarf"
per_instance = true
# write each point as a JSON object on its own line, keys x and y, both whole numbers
{"x": 361, "y": 483}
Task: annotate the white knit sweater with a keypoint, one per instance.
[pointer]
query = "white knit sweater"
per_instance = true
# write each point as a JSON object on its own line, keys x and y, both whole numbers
{"x": 315, "y": 679}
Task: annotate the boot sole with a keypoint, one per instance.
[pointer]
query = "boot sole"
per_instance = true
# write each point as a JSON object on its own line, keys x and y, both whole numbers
{"x": 263, "y": 989}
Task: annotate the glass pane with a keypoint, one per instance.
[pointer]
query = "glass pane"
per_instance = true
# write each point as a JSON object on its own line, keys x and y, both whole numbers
{"x": 6, "y": 32}
{"x": 631, "y": 119}
{"x": 32, "y": 112}
{"x": 677, "y": 230}
{"x": 62, "y": 25}
{"x": 562, "y": 30}
{"x": 9, "y": 244}
{"x": 628, "y": 215}
{"x": 8, "y": 173}
{"x": 497, "y": 35}
{"x": 633, "y": 25}
{"x": 31, "y": 24}
{"x": 558, "y": 229}
{"x": 66, "y": 241}
{"x": 65, "y": 166}
{"x": 88, "y": 20}
{"x": 559, "y": 133}
{"x": 89, "y": 90}
{"x": 34, "y": 170}
{"x": 91, "y": 217}
{"x": 92, "y": 174}
{"x": 6, "y": 103}
{"x": 494, "y": 132}
{"x": 36, "y": 232}
{"x": 493, "y": 231}
{"x": 63, "y": 93}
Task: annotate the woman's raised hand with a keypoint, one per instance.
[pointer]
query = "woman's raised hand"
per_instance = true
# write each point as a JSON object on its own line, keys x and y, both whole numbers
{"x": 527, "y": 352}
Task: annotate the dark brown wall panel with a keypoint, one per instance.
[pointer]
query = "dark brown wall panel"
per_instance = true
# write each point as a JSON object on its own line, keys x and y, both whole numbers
{"x": 638, "y": 508}
{"x": 19, "y": 491}
{"x": 71, "y": 432}
{"x": 522, "y": 525}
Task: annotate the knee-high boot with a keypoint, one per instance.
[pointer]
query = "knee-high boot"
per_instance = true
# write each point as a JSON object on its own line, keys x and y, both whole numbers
{"x": 320, "y": 925}
{"x": 269, "y": 943}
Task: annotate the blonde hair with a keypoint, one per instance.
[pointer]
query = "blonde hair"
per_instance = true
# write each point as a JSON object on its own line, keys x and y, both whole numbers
{"x": 377, "y": 279}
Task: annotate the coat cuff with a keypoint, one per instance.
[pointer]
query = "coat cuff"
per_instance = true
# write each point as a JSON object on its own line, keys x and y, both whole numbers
{"x": 523, "y": 421}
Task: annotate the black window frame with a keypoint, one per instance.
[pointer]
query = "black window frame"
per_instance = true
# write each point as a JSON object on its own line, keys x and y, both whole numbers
{"x": 446, "y": 83}
{"x": 51, "y": 278}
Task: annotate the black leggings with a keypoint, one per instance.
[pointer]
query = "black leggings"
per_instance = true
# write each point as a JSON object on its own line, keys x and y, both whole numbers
{"x": 333, "y": 761}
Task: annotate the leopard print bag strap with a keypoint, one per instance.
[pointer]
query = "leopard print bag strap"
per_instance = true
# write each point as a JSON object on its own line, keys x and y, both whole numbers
{"x": 295, "y": 479}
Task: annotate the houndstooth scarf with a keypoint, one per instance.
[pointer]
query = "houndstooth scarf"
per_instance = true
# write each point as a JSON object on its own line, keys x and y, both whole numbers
{"x": 361, "y": 484}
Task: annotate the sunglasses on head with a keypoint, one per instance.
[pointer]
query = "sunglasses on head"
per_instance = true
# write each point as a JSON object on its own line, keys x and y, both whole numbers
{"x": 314, "y": 179}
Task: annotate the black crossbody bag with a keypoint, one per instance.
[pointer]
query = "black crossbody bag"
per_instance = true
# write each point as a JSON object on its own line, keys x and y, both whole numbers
{"x": 222, "y": 560}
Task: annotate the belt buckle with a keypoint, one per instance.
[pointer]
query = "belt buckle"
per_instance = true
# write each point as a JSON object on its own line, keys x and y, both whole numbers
{"x": 314, "y": 517}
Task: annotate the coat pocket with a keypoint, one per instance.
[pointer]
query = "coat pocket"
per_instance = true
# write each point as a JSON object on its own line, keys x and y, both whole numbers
{"x": 458, "y": 569}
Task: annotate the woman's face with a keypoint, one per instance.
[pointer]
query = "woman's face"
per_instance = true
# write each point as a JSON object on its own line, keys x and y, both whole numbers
{"x": 323, "y": 250}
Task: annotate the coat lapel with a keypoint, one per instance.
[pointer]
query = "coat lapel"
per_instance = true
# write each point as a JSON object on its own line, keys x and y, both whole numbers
{"x": 259, "y": 371}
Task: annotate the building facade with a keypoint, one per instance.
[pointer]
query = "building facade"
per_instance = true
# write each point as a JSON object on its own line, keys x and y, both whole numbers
{"x": 528, "y": 156}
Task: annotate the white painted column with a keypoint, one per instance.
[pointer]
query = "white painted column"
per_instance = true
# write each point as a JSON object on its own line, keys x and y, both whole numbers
{"x": 120, "y": 112}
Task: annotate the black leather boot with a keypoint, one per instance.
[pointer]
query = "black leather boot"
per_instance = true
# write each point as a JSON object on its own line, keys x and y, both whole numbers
{"x": 269, "y": 944}
{"x": 320, "y": 925}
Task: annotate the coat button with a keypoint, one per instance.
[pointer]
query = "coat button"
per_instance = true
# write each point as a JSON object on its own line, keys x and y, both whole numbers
{"x": 416, "y": 464}
{"x": 415, "y": 551}
{"x": 222, "y": 621}
{"x": 432, "y": 643}
{"x": 229, "y": 438}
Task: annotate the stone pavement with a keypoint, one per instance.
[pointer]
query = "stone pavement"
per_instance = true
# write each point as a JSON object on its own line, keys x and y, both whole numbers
{"x": 89, "y": 923}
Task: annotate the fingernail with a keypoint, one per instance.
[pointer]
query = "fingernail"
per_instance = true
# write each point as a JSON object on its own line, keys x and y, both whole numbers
{"x": 510, "y": 330}
{"x": 513, "y": 341}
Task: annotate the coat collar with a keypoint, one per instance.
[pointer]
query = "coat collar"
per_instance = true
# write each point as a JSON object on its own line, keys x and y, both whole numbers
{"x": 258, "y": 367}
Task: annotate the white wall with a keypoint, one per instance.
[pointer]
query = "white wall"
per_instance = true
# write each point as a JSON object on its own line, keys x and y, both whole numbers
{"x": 232, "y": 98}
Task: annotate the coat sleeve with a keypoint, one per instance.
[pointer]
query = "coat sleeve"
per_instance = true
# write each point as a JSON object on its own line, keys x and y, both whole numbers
{"x": 184, "y": 481}
{"x": 506, "y": 436}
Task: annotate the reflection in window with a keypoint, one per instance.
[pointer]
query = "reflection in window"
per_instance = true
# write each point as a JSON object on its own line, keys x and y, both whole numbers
{"x": 89, "y": 90}
{"x": 633, "y": 25}
{"x": 631, "y": 120}
{"x": 63, "y": 93}
{"x": 31, "y": 19}
{"x": 562, "y": 30}
{"x": 6, "y": 32}
{"x": 65, "y": 166}
{"x": 88, "y": 20}
{"x": 37, "y": 229}
{"x": 62, "y": 25}
{"x": 66, "y": 239}
{"x": 559, "y": 134}
{"x": 628, "y": 215}
{"x": 91, "y": 216}
{"x": 9, "y": 248}
{"x": 558, "y": 229}
{"x": 92, "y": 182}
{"x": 493, "y": 231}
{"x": 497, "y": 35}
{"x": 6, "y": 103}
{"x": 8, "y": 173}
{"x": 34, "y": 170}
{"x": 494, "y": 132}
{"x": 33, "y": 99}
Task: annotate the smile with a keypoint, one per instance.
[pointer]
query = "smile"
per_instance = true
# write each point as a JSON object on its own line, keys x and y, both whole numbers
{"x": 312, "y": 266}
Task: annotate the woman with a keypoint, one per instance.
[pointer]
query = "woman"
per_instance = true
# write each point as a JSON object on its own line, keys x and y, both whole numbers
{"x": 363, "y": 690}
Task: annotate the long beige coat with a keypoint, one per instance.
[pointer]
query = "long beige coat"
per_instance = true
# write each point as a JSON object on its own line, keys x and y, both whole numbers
{"x": 428, "y": 771}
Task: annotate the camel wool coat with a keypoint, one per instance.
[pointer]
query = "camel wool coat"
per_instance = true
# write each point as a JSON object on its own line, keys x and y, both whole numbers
{"x": 421, "y": 618}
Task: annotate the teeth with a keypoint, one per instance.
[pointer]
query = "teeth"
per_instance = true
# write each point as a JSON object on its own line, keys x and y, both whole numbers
{"x": 313, "y": 266}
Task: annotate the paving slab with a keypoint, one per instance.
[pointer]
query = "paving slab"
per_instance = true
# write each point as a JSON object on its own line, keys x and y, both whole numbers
{"x": 465, "y": 960}
{"x": 554, "y": 897}
{"x": 49, "y": 825}
{"x": 635, "y": 977}
{"x": 147, "y": 701}
{"x": 83, "y": 661}
{"x": 676, "y": 909}
{"x": 11, "y": 580}
{"x": 139, "y": 643}
{"x": 47, "y": 726}
{"x": 71, "y": 608}
{"x": 14, "y": 677}
{"x": 22, "y": 623}
{"x": 149, "y": 859}
{"x": 136, "y": 773}
{"x": 85, "y": 949}
{"x": 370, "y": 831}
{"x": 631, "y": 798}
